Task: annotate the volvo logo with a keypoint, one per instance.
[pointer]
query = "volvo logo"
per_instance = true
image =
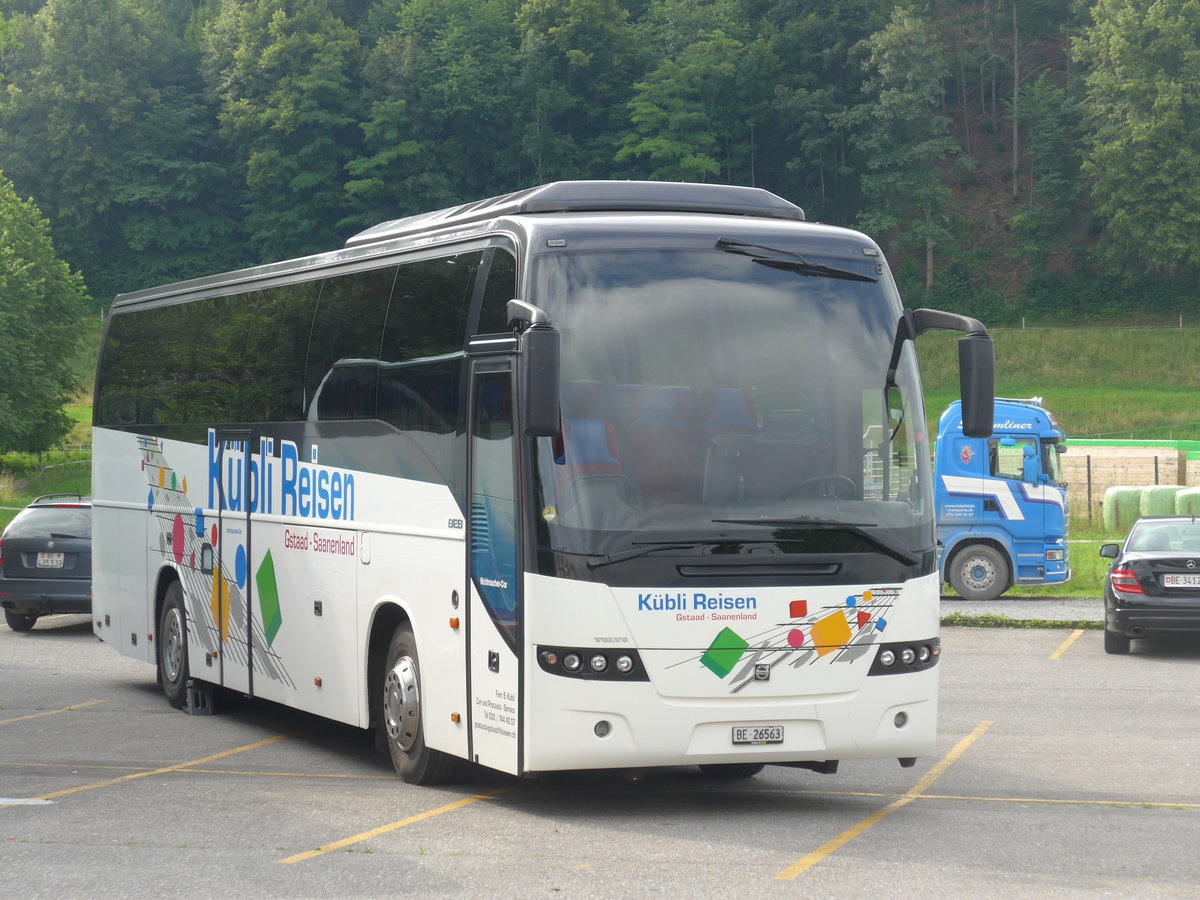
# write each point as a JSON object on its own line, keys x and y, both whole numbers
{"x": 762, "y": 672}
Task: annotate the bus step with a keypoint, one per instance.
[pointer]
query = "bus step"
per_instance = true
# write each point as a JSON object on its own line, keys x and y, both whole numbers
{"x": 199, "y": 701}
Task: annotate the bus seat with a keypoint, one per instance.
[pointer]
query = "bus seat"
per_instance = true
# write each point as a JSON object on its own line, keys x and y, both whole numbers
{"x": 727, "y": 410}
{"x": 665, "y": 445}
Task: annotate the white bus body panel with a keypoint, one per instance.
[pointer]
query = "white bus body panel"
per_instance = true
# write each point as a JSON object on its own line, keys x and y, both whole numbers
{"x": 829, "y": 707}
{"x": 314, "y": 586}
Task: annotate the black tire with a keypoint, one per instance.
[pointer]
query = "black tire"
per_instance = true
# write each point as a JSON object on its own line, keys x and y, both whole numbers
{"x": 979, "y": 572}
{"x": 19, "y": 621}
{"x": 400, "y": 723}
{"x": 732, "y": 770}
{"x": 1115, "y": 642}
{"x": 172, "y": 652}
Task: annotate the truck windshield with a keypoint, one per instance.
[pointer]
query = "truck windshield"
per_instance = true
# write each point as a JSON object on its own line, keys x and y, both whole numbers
{"x": 709, "y": 401}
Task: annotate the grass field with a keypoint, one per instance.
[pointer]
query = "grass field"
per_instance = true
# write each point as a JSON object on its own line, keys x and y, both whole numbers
{"x": 1137, "y": 384}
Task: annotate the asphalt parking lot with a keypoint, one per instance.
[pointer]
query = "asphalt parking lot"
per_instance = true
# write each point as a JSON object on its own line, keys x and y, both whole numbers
{"x": 1060, "y": 771}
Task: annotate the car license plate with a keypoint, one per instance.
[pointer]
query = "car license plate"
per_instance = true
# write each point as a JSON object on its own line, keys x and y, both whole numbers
{"x": 50, "y": 561}
{"x": 1188, "y": 581}
{"x": 758, "y": 734}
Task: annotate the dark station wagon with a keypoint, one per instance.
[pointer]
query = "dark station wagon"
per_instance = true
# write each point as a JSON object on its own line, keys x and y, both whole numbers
{"x": 46, "y": 560}
{"x": 1153, "y": 585}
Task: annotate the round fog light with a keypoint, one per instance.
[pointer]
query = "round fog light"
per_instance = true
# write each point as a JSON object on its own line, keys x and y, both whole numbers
{"x": 598, "y": 663}
{"x": 572, "y": 662}
{"x": 602, "y": 729}
{"x": 901, "y": 719}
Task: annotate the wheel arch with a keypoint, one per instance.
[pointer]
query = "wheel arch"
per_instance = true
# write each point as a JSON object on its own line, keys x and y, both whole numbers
{"x": 167, "y": 575}
{"x": 387, "y": 616}
{"x": 975, "y": 539}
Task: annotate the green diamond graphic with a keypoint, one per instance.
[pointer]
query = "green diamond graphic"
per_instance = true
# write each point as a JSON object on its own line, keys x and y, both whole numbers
{"x": 724, "y": 652}
{"x": 268, "y": 598}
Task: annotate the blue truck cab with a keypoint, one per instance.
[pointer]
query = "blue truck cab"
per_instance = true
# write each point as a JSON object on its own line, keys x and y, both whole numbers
{"x": 1001, "y": 502}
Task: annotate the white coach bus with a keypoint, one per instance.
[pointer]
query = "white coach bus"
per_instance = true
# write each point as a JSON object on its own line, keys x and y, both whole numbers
{"x": 591, "y": 475}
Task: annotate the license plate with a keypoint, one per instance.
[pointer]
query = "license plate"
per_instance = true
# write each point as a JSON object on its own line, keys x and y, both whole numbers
{"x": 1188, "y": 581}
{"x": 50, "y": 561}
{"x": 758, "y": 734}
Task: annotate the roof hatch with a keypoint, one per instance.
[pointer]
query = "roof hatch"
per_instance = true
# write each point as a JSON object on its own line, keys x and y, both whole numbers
{"x": 595, "y": 196}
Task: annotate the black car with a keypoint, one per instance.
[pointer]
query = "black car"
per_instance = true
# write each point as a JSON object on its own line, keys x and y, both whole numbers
{"x": 46, "y": 560}
{"x": 1153, "y": 585}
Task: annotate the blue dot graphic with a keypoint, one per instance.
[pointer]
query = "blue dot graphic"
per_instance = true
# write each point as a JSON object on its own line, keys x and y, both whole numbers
{"x": 239, "y": 567}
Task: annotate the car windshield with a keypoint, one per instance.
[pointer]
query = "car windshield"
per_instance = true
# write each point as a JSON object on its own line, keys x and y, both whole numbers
{"x": 708, "y": 397}
{"x": 51, "y": 522}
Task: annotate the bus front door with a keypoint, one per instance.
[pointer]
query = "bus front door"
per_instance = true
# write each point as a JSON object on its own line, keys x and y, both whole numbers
{"x": 494, "y": 612}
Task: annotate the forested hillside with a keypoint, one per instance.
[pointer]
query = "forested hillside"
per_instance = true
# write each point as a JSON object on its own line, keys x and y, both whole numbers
{"x": 1017, "y": 158}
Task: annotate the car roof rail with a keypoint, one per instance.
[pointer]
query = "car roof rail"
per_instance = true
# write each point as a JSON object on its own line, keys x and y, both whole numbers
{"x": 47, "y": 498}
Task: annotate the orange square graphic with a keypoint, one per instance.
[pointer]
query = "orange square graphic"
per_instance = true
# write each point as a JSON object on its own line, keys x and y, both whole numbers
{"x": 830, "y": 633}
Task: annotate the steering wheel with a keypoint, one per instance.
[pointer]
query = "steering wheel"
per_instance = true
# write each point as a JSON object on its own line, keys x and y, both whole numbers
{"x": 835, "y": 480}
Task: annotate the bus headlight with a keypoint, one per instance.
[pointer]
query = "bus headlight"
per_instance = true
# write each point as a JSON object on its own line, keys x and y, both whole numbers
{"x": 591, "y": 663}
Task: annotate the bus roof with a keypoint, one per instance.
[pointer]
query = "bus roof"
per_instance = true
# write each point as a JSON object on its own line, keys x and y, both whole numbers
{"x": 595, "y": 196}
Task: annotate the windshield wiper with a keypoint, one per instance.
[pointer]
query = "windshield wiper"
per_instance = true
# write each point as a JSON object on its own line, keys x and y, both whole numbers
{"x": 858, "y": 529}
{"x": 786, "y": 260}
{"x": 634, "y": 552}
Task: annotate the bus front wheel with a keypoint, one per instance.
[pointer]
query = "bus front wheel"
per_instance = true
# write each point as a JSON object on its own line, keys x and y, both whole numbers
{"x": 401, "y": 723}
{"x": 172, "y": 646}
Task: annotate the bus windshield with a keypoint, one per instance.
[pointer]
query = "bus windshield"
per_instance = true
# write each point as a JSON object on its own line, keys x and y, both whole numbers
{"x": 714, "y": 398}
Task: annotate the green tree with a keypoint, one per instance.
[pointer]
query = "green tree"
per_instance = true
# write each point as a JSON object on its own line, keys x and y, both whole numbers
{"x": 904, "y": 136}
{"x": 284, "y": 73}
{"x": 439, "y": 128}
{"x": 102, "y": 122}
{"x": 690, "y": 116}
{"x": 1142, "y": 110}
{"x": 41, "y": 307}
{"x": 580, "y": 60}
{"x": 804, "y": 149}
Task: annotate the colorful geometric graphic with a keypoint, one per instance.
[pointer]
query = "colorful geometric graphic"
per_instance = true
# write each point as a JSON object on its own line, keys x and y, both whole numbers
{"x": 268, "y": 598}
{"x": 830, "y": 634}
{"x": 834, "y": 632}
{"x": 214, "y": 582}
{"x": 724, "y": 652}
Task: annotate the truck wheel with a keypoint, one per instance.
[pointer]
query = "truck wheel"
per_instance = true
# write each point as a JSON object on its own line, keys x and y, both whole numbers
{"x": 401, "y": 722}
{"x": 19, "y": 621}
{"x": 979, "y": 572}
{"x": 172, "y": 646}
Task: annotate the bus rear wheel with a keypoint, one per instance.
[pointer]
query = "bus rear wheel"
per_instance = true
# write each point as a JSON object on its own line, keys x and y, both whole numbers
{"x": 978, "y": 572}
{"x": 401, "y": 721}
{"x": 172, "y": 646}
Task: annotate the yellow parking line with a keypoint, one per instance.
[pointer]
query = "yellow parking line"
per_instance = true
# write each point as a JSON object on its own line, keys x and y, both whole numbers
{"x": 50, "y": 712}
{"x": 1062, "y": 648}
{"x": 164, "y": 770}
{"x": 805, "y": 863}
{"x": 384, "y": 829}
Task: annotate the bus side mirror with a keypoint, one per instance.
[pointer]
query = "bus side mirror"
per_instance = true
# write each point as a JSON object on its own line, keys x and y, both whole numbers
{"x": 537, "y": 369}
{"x": 976, "y": 363}
{"x": 977, "y": 383}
